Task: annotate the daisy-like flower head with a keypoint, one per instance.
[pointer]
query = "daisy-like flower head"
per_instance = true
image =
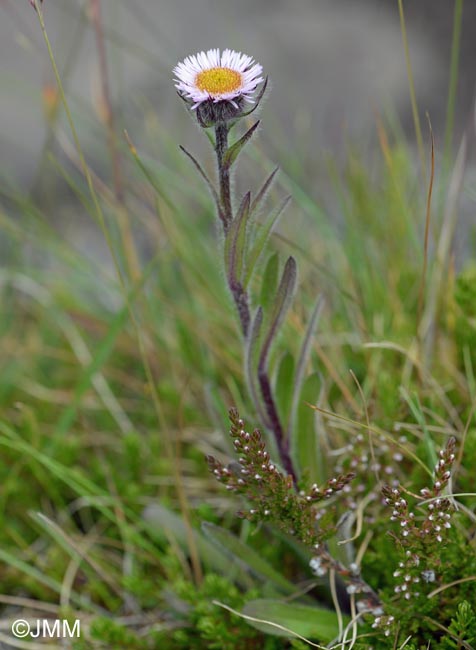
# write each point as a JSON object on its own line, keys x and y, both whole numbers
{"x": 213, "y": 78}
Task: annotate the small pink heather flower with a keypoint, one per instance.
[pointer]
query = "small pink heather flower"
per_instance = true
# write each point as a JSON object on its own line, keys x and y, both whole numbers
{"x": 210, "y": 76}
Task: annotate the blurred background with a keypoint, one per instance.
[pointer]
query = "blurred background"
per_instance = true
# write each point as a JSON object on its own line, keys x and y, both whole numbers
{"x": 120, "y": 352}
{"x": 336, "y": 67}
{"x": 333, "y": 65}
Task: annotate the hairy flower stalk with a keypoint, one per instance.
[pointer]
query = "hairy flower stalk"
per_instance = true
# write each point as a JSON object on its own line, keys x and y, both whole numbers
{"x": 217, "y": 87}
{"x": 221, "y": 147}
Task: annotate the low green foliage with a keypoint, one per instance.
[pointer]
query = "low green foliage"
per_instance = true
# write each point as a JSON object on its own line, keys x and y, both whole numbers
{"x": 346, "y": 517}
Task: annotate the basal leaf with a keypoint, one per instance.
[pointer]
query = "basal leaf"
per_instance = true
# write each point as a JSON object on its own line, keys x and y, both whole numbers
{"x": 297, "y": 620}
{"x": 169, "y": 524}
{"x": 304, "y": 441}
{"x": 246, "y": 556}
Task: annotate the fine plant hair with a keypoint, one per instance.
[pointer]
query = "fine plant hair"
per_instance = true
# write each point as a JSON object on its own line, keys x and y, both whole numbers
{"x": 355, "y": 524}
{"x": 244, "y": 242}
{"x": 275, "y": 495}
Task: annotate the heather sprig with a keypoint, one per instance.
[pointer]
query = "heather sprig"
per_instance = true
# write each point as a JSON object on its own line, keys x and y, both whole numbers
{"x": 419, "y": 538}
{"x": 271, "y": 493}
{"x": 272, "y": 498}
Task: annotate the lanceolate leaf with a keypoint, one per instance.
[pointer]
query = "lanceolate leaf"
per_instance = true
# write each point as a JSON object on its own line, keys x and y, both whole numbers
{"x": 262, "y": 193}
{"x": 261, "y": 239}
{"x": 282, "y": 303}
{"x": 303, "y": 360}
{"x": 246, "y": 556}
{"x": 314, "y": 623}
{"x": 305, "y": 446}
{"x": 205, "y": 178}
{"x": 233, "y": 151}
{"x": 269, "y": 282}
{"x": 284, "y": 381}
{"x": 250, "y": 357}
{"x": 236, "y": 239}
{"x": 170, "y": 525}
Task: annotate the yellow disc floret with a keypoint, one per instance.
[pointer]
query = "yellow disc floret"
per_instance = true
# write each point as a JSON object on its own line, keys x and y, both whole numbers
{"x": 218, "y": 81}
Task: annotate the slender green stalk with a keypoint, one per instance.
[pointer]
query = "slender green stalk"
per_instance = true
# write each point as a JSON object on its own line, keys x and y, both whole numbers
{"x": 109, "y": 119}
{"x": 421, "y": 294}
{"x": 416, "y": 117}
{"x": 87, "y": 174}
{"x": 453, "y": 82}
{"x": 96, "y": 19}
{"x": 140, "y": 339}
{"x": 225, "y": 213}
{"x": 225, "y": 157}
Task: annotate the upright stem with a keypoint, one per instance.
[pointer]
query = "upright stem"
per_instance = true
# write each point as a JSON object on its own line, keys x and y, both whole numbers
{"x": 411, "y": 83}
{"x": 221, "y": 147}
{"x": 241, "y": 300}
{"x": 239, "y": 294}
{"x": 281, "y": 441}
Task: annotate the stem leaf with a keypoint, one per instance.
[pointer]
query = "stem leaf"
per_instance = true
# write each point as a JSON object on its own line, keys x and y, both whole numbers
{"x": 261, "y": 239}
{"x": 303, "y": 360}
{"x": 262, "y": 193}
{"x": 284, "y": 381}
{"x": 232, "y": 153}
{"x": 235, "y": 241}
{"x": 269, "y": 282}
{"x": 206, "y": 179}
{"x": 282, "y": 303}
